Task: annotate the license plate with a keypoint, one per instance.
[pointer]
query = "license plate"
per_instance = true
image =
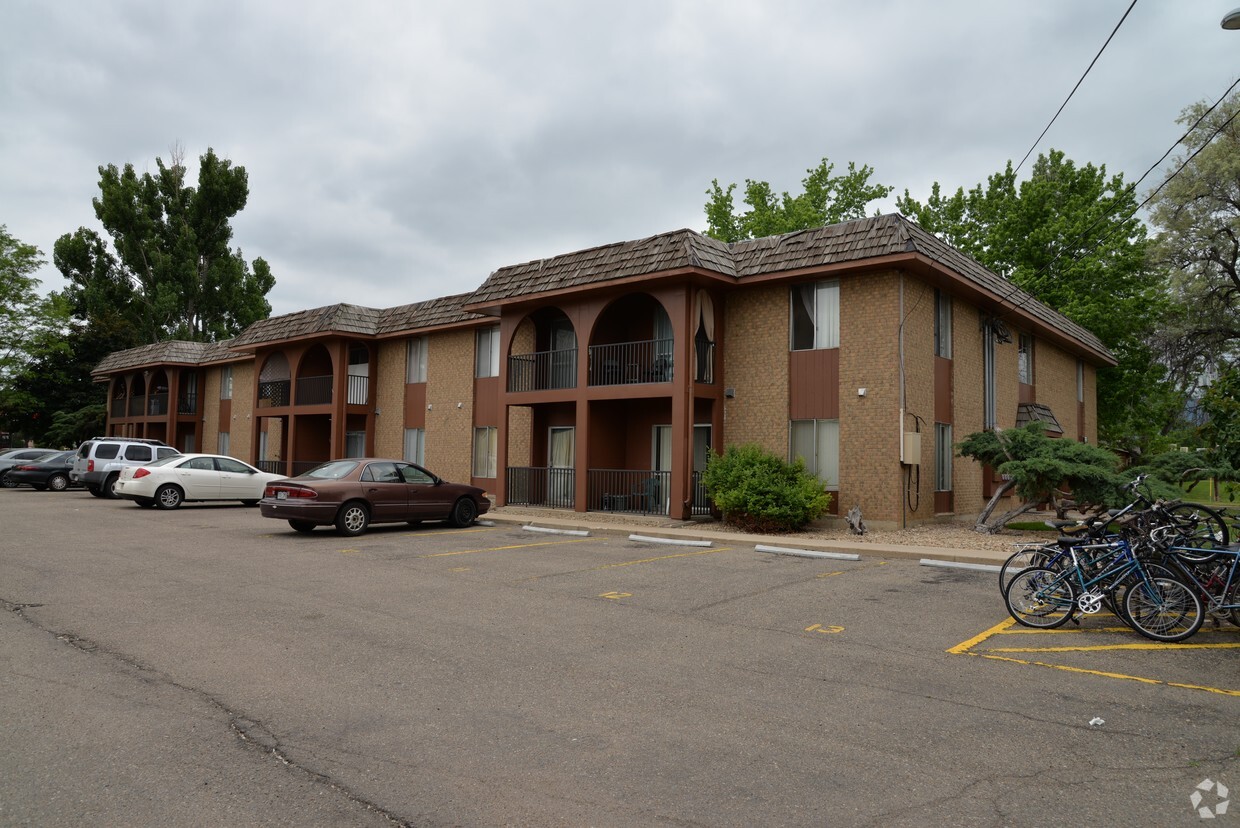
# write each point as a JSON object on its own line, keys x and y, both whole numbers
{"x": 281, "y": 495}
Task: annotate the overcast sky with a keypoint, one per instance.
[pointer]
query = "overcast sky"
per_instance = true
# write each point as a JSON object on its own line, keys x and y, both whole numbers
{"x": 401, "y": 151}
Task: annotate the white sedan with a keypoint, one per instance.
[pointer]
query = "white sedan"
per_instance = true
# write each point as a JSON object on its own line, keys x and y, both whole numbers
{"x": 170, "y": 482}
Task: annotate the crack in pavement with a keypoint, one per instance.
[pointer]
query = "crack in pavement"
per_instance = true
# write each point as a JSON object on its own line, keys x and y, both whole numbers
{"x": 250, "y": 732}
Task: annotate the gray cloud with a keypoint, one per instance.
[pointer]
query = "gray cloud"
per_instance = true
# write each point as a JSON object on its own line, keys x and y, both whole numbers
{"x": 399, "y": 151}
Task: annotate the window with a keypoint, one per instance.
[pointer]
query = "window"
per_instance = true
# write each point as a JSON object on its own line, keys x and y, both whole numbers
{"x": 990, "y": 412}
{"x": 222, "y": 445}
{"x": 817, "y": 442}
{"x": 942, "y": 457}
{"x": 415, "y": 445}
{"x": 486, "y": 354}
{"x": 942, "y": 325}
{"x": 226, "y": 382}
{"x": 413, "y": 474}
{"x": 485, "y": 451}
{"x": 140, "y": 454}
{"x": 816, "y": 316}
{"x": 227, "y": 464}
{"x": 1024, "y": 360}
{"x": 1080, "y": 380}
{"x": 415, "y": 360}
{"x": 355, "y": 443}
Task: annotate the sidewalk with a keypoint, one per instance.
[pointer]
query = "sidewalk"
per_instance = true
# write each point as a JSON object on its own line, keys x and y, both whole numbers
{"x": 721, "y": 535}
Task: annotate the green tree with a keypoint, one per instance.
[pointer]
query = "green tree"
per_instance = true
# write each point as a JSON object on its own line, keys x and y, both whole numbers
{"x": 827, "y": 199}
{"x": 27, "y": 319}
{"x": 174, "y": 274}
{"x": 1040, "y": 470}
{"x": 1069, "y": 235}
{"x": 1221, "y": 405}
{"x": 1197, "y": 217}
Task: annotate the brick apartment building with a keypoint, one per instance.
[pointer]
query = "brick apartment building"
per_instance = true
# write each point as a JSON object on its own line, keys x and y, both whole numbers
{"x": 602, "y": 379}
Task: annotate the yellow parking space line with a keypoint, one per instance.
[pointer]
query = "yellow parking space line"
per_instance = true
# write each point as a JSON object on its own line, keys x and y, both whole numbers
{"x": 1153, "y": 645}
{"x": 1219, "y": 690}
{"x": 965, "y": 646}
{"x": 663, "y": 558}
{"x": 458, "y": 531}
{"x": 1062, "y": 631}
{"x": 503, "y": 548}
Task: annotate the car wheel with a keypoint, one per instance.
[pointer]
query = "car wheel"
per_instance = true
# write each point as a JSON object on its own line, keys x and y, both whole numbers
{"x": 95, "y": 491}
{"x": 250, "y": 503}
{"x": 464, "y": 512}
{"x": 168, "y": 496}
{"x": 58, "y": 482}
{"x": 145, "y": 502}
{"x": 352, "y": 519}
{"x": 303, "y": 526}
{"x": 109, "y": 487}
{"x": 7, "y": 482}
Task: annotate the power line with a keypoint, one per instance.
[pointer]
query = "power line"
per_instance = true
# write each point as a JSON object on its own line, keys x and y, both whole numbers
{"x": 1078, "y": 85}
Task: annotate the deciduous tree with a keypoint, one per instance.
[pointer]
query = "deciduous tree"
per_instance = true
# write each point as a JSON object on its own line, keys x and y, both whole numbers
{"x": 826, "y": 199}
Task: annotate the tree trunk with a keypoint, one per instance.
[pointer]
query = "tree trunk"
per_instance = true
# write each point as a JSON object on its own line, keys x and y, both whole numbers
{"x": 981, "y": 525}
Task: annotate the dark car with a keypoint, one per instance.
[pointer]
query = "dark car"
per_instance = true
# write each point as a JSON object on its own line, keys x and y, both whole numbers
{"x": 352, "y": 494}
{"x": 48, "y": 472}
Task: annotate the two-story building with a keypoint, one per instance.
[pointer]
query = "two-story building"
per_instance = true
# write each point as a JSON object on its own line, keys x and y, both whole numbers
{"x": 602, "y": 379}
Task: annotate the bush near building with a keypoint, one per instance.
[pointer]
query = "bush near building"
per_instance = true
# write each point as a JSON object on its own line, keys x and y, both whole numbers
{"x": 759, "y": 492}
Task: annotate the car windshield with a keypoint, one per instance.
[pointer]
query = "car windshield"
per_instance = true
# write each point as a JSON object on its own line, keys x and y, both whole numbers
{"x": 332, "y": 471}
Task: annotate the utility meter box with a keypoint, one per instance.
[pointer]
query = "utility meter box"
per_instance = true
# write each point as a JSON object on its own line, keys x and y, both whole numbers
{"x": 912, "y": 448}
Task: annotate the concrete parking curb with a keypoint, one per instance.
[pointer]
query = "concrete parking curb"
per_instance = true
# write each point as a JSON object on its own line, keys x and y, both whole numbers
{"x": 807, "y": 553}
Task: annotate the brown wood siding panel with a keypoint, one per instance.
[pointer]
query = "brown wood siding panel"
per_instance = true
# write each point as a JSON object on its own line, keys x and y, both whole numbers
{"x": 1026, "y": 393}
{"x": 943, "y": 503}
{"x": 814, "y": 387}
{"x": 225, "y": 416}
{"x": 415, "y": 405}
{"x": 942, "y": 390}
{"x": 486, "y": 401}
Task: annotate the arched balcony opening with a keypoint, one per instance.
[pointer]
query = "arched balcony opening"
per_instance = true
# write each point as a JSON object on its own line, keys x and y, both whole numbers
{"x": 632, "y": 343}
{"x": 273, "y": 382}
{"x": 137, "y": 396}
{"x": 314, "y": 377}
{"x": 157, "y": 399}
{"x": 118, "y": 397}
{"x": 543, "y": 354}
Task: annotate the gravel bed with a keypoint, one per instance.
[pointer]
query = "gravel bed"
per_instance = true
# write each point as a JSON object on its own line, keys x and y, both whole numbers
{"x": 945, "y": 535}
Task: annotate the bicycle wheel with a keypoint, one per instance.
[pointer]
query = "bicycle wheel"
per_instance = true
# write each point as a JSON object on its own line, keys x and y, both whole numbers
{"x": 1024, "y": 558}
{"x": 1040, "y": 597}
{"x": 1119, "y": 593}
{"x": 1164, "y": 609}
{"x": 1200, "y": 528}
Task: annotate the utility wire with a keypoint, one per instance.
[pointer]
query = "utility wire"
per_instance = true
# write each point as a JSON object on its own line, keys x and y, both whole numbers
{"x": 1085, "y": 233}
{"x": 1078, "y": 85}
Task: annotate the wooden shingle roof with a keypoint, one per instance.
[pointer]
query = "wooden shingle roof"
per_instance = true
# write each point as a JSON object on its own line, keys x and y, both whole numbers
{"x": 170, "y": 352}
{"x": 447, "y": 310}
{"x": 332, "y": 319}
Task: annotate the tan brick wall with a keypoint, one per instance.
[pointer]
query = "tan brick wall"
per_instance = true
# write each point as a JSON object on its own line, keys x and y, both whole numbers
{"x": 211, "y": 410}
{"x": 968, "y": 405}
{"x": 390, "y": 398}
{"x": 449, "y": 381}
{"x": 1091, "y": 404}
{"x": 915, "y": 483}
{"x": 240, "y": 439}
{"x": 1054, "y": 376}
{"x": 755, "y": 363}
{"x": 870, "y": 474}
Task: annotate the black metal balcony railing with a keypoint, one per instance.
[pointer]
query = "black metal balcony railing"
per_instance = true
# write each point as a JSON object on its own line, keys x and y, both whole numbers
{"x": 640, "y": 492}
{"x": 705, "y": 369}
{"x": 359, "y": 389}
{"x": 543, "y": 370}
{"x": 541, "y": 486}
{"x": 188, "y": 404}
{"x": 137, "y": 405}
{"x": 314, "y": 390}
{"x": 702, "y": 504}
{"x": 273, "y": 393}
{"x": 627, "y": 363}
{"x": 157, "y": 404}
{"x": 118, "y": 407}
{"x": 280, "y": 467}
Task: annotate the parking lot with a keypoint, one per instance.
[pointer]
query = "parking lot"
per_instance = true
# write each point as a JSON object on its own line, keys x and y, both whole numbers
{"x": 209, "y": 666}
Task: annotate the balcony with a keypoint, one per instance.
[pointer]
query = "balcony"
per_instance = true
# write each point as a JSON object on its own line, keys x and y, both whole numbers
{"x": 630, "y": 363}
{"x": 543, "y": 370}
{"x": 157, "y": 404}
{"x": 629, "y": 491}
{"x": 280, "y": 467}
{"x": 359, "y": 389}
{"x": 188, "y": 404}
{"x": 314, "y": 390}
{"x": 118, "y": 407}
{"x": 137, "y": 405}
{"x": 273, "y": 393}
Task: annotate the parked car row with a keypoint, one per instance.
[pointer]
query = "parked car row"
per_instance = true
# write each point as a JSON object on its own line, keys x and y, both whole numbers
{"x": 348, "y": 494}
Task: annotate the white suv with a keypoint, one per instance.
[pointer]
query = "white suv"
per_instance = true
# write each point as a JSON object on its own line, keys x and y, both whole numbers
{"x": 99, "y": 461}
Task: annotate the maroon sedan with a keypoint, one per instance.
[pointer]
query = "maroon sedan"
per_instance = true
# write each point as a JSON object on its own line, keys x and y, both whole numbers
{"x": 352, "y": 494}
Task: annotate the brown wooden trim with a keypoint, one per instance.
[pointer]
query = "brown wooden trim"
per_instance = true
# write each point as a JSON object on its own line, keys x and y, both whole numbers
{"x": 814, "y": 384}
